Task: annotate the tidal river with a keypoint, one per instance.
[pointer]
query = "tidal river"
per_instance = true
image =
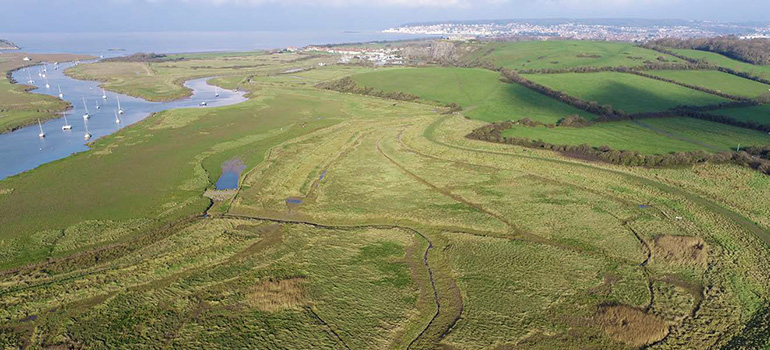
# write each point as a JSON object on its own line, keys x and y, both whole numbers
{"x": 23, "y": 150}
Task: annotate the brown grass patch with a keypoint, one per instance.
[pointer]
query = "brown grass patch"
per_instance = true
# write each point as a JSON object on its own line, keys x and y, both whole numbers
{"x": 631, "y": 326}
{"x": 681, "y": 249}
{"x": 273, "y": 296}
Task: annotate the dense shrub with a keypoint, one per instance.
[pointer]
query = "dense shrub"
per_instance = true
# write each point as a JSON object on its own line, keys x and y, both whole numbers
{"x": 347, "y": 85}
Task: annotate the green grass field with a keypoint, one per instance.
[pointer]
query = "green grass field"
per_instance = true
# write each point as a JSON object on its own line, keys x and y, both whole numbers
{"x": 19, "y": 108}
{"x": 651, "y": 136}
{"x": 724, "y": 61}
{"x": 759, "y": 114}
{"x": 480, "y": 92}
{"x": 564, "y": 54}
{"x": 627, "y": 92}
{"x": 716, "y": 80}
{"x": 365, "y": 223}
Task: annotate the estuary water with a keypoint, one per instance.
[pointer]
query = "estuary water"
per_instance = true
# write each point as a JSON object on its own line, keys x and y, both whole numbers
{"x": 23, "y": 149}
{"x": 176, "y": 42}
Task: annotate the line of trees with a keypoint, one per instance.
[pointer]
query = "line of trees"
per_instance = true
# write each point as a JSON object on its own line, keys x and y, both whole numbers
{"x": 347, "y": 85}
{"x": 493, "y": 133}
{"x": 754, "y": 51}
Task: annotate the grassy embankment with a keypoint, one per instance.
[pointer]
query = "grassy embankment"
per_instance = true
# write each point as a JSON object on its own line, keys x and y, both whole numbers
{"x": 19, "y": 108}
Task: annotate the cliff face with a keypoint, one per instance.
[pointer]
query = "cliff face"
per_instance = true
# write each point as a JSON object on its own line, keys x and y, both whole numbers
{"x": 7, "y": 45}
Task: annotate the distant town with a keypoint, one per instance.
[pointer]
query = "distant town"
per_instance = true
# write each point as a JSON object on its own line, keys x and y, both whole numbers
{"x": 377, "y": 56}
{"x": 609, "y": 29}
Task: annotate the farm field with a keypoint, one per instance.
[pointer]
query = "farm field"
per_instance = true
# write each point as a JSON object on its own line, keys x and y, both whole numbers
{"x": 480, "y": 92}
{"x": 724, "y": 61}
{"x": 649, "y": 136}
{"x": 627, "y": 92}
{"x": 18, "y": 108}
{"x": 759, "y": 114}
{"x": 564, "y": 54}
{"x": 362, "y": 222}
{"x": 715, "y": 80}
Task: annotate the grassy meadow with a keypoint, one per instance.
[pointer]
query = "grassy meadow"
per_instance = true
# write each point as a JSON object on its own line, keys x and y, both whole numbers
{"x": 724, "y": 61}
{"x": 716, "y": 80}
{"x": 759, "y": 114}
{"x": 564, "y": 54}
{"x": 649, "y": 136}
{"x": 368, "y": 223}
{"x": 19, "y": 108}
{"x": 627, "y": 92}
{"x": 480, "y": 92}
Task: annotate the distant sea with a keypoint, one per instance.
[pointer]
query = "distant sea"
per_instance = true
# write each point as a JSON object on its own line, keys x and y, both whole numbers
{"x": 178, "y": 42}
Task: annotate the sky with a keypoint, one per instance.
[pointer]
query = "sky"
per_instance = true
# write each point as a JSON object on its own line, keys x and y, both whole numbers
{"x": 28, "y": 16}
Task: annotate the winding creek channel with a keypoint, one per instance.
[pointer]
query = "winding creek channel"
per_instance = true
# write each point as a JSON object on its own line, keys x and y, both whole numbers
{"x": 23, "y": 149}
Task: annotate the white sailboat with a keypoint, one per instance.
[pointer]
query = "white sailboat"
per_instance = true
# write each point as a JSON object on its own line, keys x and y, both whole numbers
{"x": 47, "y": 86}
{"x": 97, "y": 105}
{"x": 87, "y": 136}
{"x": 66, "y": 125}
{"x": 61, "y": 95}
{"x": 85, "y": 116}
{"x": 104, "y": 94}
{"x": 29, "y": 78}
{"x": 120, "y": 110}
{"x": 216, "y": 91}
{"x": 117, "y": 120}
{"x": 41, "y": 134}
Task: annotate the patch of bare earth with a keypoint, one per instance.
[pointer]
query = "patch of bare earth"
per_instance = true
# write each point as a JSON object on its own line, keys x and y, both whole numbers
{"x": 681, "y": 249}
{"x": 273, "y": 296}
{"x": 631, "y": 326}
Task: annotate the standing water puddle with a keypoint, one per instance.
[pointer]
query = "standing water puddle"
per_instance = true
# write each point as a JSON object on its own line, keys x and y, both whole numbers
{"x": 231, "y": 174}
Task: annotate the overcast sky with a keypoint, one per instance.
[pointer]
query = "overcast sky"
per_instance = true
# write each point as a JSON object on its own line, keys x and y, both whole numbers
{"x": 256, "y": 15}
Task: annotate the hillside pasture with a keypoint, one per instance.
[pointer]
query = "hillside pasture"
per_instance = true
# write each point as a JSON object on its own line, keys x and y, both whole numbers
{"x": 565, "y": 54}
{"x": 758, "y": 114}
{"x": 649, "y": 136}
{"x": 480, "y": 92}
{"x": 627, "y": 92}
{"x": 727, "y": 62}
{"x": 716, "y": 80}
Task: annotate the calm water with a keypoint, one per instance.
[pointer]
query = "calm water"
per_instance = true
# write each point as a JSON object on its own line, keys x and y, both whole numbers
{"x": 173, "y": 42}
{"x": 22, "y": 149}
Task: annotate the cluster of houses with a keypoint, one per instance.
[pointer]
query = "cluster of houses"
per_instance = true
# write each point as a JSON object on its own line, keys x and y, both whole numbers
{"x": 378, "y": 56}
